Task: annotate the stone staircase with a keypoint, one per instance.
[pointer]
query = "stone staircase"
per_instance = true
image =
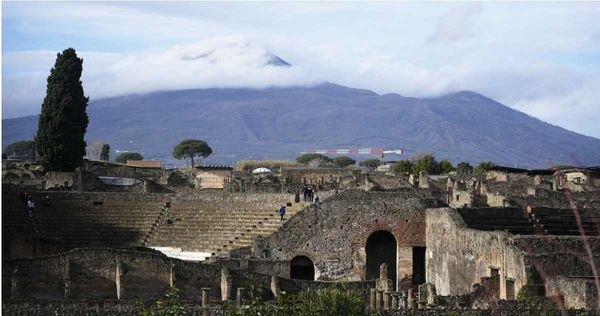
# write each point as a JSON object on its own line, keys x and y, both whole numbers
{"x": 214, "y": 231}
{"x": 263, "y": 227}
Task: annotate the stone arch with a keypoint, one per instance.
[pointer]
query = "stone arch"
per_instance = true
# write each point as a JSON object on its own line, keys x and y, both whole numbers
{"x": 302, "y": 268}
{"x": 381, "y": 247}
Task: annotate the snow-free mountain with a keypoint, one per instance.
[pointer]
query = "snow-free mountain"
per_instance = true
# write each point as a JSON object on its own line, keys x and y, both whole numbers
{"x": 279, "y": 123}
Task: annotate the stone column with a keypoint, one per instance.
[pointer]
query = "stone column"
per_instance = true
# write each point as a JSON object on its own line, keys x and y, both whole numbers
{"x": 14, "y": 284}
{"x": 372, "y": 301}
{"x": 379, "y": 299}
{"x": 172, "y": 275}
{"x": 225, "y": 285}
{"x": 383, "y": 271}
{"x": 409, "y": 300}
{"x": 67, "y": 278}
{"x": 386, "y": 300}
{"x": 205, "y": 296}
{"x": 274, "y": 286}
{"x": 118, "y": 275}
{"x": 403, "y": 300}
{"x": 239, "y": 298}
{"x": 394, "y": 301}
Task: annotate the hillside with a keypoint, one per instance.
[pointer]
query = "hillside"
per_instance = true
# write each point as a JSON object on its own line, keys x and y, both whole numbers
{"x": 279, "y": 123}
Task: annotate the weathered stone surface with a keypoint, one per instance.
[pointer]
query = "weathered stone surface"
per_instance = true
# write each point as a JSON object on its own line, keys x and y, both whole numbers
{"x": 338, "y": 228}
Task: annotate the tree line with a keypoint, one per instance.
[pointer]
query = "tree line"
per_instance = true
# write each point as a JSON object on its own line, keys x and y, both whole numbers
{"x": 430, "y": 165}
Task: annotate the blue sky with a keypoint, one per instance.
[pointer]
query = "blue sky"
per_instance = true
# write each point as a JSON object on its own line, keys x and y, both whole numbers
{"x": 540, "y": 58}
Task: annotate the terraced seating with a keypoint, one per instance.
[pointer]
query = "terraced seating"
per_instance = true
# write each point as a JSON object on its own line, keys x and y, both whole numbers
{"x": 511, "y": 220}
{"x": 564, "y": 221}
{"x": 13, "y": 214}
{"x": 211, "y": 229}
{"x": 547, "y": 221}
{"x": 81, "y": 223}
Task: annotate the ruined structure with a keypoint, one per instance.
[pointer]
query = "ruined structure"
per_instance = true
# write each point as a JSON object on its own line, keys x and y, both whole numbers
{"x": 467, "y": 241}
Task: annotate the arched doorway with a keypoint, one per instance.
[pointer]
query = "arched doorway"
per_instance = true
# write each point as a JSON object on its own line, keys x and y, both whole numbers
{"x": 302, "y": 268}
{"x": 381, "y": 248}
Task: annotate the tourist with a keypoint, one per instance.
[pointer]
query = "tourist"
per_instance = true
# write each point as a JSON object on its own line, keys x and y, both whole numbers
{"x": 317, "y": 200}
{"x": 48, "y": 204}
{"x": 30, "y": 204}
{"x": 305, "y": 194}
{"x": 282, "y": 212}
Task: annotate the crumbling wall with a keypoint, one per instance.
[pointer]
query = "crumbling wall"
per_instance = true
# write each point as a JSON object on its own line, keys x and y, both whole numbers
{"x": 314, "y": 176}
{"x": 334, "y": 233}
{"x": 578, "y": 293}
{"x": 59, "y": 180}
{"x": 105, "y": 273}
{"x": 457, "y": 257}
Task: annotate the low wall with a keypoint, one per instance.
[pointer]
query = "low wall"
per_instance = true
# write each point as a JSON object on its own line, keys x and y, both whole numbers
{"x": 105, "y": 274}
{"x": 92, "y": 308}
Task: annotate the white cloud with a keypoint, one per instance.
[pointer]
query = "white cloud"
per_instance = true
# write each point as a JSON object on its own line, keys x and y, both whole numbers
{"x": 537, "y": 58}
{"x": 457, "y": 24}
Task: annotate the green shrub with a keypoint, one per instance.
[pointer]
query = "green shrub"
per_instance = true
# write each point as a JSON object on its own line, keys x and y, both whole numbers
{"x": 332, "y": 301}
{"x": 171, "y": 305}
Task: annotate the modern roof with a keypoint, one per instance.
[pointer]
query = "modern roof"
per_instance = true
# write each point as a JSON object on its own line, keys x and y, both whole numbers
{"x": 145, "y": 163}
{"x": 214, "y": 167}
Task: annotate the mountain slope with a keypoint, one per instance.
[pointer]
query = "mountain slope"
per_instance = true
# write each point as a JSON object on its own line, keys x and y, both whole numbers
{"x": 281, "y": 122}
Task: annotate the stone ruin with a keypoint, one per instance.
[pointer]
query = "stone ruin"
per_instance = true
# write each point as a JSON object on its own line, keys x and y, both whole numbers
{"x": 433, "y": 243}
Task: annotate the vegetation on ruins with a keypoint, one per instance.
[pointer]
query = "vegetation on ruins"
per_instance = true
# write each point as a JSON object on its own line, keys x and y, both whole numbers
{"x": 63, "y": 120}
{"x": 370, "y": 163}
{"x": 403, "y": 167}
{"x": 105, "y": 152}
{"x": 446, "y": 166}
{"x": 248, "y": 165}
{"x": 313, "y": 160}
{"x": 464, "y": 168}
{"x": 332, "y": 301}
{"x": 560, "y": 167}
{"x": 343, "y": 161}
{"x": 171, "y": 305}
{"x": 481, "y": 168}
{"x": 23, "y": 149}
{"x": 533, "y": 301}
{"x": 191, "y": 148}
{"x": 427, "y": 164}
{"x": 129, "y": 156}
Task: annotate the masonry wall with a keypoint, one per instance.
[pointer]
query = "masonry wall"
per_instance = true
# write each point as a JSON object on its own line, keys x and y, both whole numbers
{"x": 576, "y": 292}
{"x": 333, "y": 234}
{"x": 457, "y": 257}
{"x": 107, "y": 275}
{"x": 313, "y": 176}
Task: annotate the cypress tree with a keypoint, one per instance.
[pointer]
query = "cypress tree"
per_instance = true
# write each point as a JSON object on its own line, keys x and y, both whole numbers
{"x": 63, "y": 121}
{"x": 105, "y": 154}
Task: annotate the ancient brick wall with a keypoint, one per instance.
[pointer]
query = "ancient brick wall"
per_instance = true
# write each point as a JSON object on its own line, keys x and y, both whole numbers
{"x": 314, "y": 176}
{"x": 457, "y": 257}
{"x": 334, "y": 233}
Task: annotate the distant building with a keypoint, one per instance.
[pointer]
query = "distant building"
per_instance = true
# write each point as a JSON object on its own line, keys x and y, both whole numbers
{"x": 145, "y": 163}
{"x": 212, "y": 176}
